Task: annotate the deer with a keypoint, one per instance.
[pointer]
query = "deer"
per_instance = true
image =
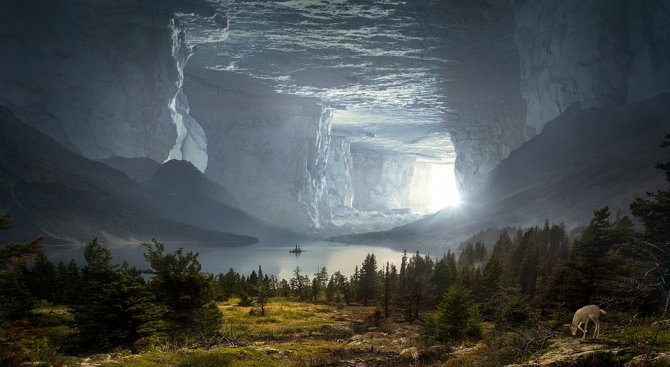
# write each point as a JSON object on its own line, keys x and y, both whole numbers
{"x": 582, "y": 316}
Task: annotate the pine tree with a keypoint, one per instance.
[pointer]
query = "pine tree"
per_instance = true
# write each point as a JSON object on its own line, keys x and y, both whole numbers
{"x": 15, "y": 296}
{"x": 187, "y": 293}
{"x": 528, "y": 267}
{"x": 444, "y": 274}
{"x": 654, "y": 212}
{"x": 299, "y": 284}
{"x": 419, "y": 273}
{"x": 492, "y": 277}
{"x": 262, "y": 291}
{"x": 456, "y": 316}
{"x": 72, "y": 292}
{"x": 369, "y": 279}
{"x": 116, "y": 308}
{"x": 319, "y": 282}
{"x": 42, "y": 279}
{"x": 589, "y": 254}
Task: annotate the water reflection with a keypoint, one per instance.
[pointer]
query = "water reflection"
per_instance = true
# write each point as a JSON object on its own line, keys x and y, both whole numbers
{"x": 274, "y": 258}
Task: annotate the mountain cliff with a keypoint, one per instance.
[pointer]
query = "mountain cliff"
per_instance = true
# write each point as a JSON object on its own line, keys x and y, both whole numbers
{"x": 66, "y": 198}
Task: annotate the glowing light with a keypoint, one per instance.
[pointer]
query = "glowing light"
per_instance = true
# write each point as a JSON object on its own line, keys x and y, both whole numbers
{"x": 434, "y": 187}
{"x": 442, "y": 187}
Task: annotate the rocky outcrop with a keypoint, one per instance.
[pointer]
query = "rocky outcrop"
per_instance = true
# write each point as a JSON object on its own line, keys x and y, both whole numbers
{"x": 269, "y": 150}
{"x": 96, "y": 76}
{"x": 601, "y": 53}
{"x": 578, "y": 353}
{"x": 652, "y": 359}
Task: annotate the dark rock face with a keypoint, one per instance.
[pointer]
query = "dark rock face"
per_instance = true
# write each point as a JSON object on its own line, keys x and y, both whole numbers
{"x": 95, "y": 76}
{"x": 600, "y": 53}
{"x": 514, "y": 66}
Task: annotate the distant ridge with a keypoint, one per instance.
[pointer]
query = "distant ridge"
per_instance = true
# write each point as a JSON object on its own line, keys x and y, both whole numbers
{"x": 138, "y": 169}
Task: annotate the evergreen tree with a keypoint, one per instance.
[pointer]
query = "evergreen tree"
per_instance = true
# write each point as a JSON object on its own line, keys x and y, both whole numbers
{"x": 187, "y": 293}
{"x": 456, "y": 317}
{"x": 116, "y": 308}
{"x": 589, "y": 254}
{"x": 445, "y": 273}
{"x": 319, "y": 282}
{"x": 528, "y": 267}
{"x": 262, "y": 291}
{"x": 369, "y": 279}
{"x": 420, "y": 292}
{"x": 72, "y": 292}
{"x": 654, "y": 212}
{"x": 42, "y": 279}
{"x": 299, "y": 284}
{"x": 341, "y": 285}
{"x": 15, "y": 296}
{"x": 491, "y": 278}
{"x": 228, "y": 284}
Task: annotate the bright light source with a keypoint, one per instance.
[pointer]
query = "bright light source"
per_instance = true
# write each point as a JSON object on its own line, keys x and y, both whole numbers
{"x": 434, "y": 187}
{"x": 442, "y": 187}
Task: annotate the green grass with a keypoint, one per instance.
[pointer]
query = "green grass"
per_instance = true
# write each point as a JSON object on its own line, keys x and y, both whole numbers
{"x": 640, "y": 337}
{"x": 282, "y": 317}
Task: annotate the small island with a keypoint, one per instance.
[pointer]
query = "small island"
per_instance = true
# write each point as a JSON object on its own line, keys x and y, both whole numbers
{"x": 296, "y": 250}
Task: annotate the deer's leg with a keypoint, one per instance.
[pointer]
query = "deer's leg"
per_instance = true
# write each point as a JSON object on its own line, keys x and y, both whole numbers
{"x": 579, "y": 326}
{"x": 596, "y": 331}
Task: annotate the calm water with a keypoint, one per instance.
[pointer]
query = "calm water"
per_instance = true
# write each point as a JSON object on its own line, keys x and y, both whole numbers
{"x": 274, "y": 258}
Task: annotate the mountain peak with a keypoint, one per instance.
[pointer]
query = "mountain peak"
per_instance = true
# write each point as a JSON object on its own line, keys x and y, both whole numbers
{"x": 179, "y": 177}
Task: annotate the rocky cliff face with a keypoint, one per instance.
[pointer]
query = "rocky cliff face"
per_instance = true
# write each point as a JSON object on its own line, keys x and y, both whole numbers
{"x": 270, "y": 150}
{"x": 338, "y": 175}
{"x": 599, "y": 53}
{"x": 381, "y": 181}
{"x": 96, "y": 76}
{"x": 510, "y": 67}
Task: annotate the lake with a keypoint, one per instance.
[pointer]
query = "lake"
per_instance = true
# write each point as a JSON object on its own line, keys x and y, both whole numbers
{"x": 274, "y": 258}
